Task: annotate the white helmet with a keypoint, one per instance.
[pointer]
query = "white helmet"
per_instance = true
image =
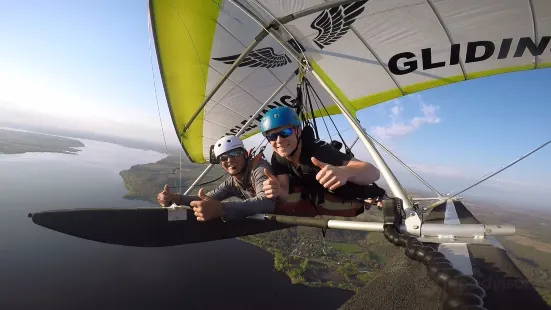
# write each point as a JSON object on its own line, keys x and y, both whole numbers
{"x": 226, "y": 144}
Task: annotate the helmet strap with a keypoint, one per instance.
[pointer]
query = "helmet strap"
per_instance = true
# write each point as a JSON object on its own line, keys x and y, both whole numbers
{"x": 298, "y": 143}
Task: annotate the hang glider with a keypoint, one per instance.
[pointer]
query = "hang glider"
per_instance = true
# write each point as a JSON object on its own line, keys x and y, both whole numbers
{"x": 224, "y": 63}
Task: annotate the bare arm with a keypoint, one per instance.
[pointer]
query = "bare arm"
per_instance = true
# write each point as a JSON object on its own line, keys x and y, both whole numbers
{"x": 361, "y": 172}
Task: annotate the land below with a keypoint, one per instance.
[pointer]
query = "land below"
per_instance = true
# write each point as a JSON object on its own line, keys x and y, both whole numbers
{"x": 18, "y": 142}
{"x": 349, "y": 259}
{"x": 79, "y": 134}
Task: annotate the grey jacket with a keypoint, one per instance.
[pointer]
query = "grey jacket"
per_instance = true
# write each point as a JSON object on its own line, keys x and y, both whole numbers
{"x": 250, "y": 203}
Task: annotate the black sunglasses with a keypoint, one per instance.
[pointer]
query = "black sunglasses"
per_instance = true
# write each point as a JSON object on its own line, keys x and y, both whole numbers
{"x": 231, "y": 154}
{"x": 284, "y": 133}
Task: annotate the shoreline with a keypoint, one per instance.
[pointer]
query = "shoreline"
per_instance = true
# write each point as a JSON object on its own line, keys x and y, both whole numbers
{"x": 16, "y": 142}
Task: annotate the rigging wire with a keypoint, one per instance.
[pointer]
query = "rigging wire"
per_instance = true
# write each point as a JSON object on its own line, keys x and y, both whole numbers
{"x": 322, "y": 118}
{"x": 309, "y": 100}
{"x": 204, "y": 183}
{"x": 202, "y": 72}
{"x": 316, "y": 99}
{"x": 149, "y": 35}
{"x": 180, "y": 171}
{"x": 329, "y": 136}
{"x": 502, "y": 169}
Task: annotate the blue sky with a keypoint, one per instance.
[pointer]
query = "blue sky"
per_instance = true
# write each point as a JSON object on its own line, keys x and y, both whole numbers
{"x": 86, "y": 64}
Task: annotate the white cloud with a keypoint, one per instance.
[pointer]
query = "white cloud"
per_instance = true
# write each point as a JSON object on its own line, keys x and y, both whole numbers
{"x": 399, "y": 127}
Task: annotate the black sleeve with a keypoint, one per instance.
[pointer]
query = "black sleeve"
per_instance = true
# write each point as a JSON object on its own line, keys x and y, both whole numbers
{"x": 329, "y": 155}
{"x": 277, "y": 167}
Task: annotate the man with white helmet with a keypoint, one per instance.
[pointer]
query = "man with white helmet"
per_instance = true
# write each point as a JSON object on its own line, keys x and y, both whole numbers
{"x": 245, "y": 182}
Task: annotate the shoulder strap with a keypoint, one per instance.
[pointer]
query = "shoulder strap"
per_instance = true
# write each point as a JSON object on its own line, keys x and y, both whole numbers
{"x": 251, "y": 164}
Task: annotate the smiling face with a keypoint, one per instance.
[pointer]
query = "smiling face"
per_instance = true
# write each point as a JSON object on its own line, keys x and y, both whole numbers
{"x": 286, "y": 141}
{"x": 233, "y": 161}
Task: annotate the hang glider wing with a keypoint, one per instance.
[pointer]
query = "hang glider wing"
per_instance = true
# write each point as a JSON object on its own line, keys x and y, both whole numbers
{"x": 367, "y": 52}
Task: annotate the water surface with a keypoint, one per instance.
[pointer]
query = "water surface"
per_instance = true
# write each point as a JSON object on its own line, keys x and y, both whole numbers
{"x": 43, "y": 269}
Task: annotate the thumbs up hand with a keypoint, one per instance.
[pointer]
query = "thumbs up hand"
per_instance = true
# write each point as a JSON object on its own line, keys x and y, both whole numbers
{"x": 207, "y": 208}
{"x": 330, "y": 177}
{"x": 202, "y": 194}
{"x": 271, "y": 185}
{"x": 166, "y": 198}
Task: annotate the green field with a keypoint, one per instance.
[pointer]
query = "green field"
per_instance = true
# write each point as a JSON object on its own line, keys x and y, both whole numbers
{"x": 349, "y": 259}
{"x": 345, "y": 247}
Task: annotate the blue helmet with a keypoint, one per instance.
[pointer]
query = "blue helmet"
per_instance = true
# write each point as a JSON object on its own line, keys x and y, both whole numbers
{"x": 278, "y": 117}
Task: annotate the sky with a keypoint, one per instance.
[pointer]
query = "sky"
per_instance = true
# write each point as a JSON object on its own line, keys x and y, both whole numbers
{"x": 86, "y": 65}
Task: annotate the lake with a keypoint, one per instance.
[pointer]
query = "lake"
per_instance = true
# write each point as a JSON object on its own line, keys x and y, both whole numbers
{"x": 43, "y": 269}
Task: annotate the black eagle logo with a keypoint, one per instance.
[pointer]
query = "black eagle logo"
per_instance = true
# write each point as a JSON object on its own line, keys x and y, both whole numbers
{"x": 262, "y": 57}
{"x": 335, "y": 22}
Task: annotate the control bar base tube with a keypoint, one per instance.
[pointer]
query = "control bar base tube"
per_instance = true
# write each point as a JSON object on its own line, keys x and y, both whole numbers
{"x": 428, "y": 230}
{"x": 320, "y": 222}
{"x": 466, "y": 230}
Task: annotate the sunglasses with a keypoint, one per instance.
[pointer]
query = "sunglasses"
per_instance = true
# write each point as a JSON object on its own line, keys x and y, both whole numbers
{"x": 284, "y": 133}
{"x": 230, "y": 154}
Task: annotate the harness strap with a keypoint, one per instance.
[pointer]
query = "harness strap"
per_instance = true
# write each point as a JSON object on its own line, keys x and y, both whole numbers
{"x": 252, "y": 163}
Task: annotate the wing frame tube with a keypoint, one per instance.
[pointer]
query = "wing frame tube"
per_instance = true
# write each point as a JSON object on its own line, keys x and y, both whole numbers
{"x": 312, "y": 10}
{"x": 199, "y": 178}
{"x": 226, "y": 75}
{"x": 405, "y": 166}
{"x": 475, "y": 231}
{"x": 413, "y": 222}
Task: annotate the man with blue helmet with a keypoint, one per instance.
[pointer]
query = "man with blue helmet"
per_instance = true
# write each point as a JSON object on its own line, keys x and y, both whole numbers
{"x": 318, "y": 166}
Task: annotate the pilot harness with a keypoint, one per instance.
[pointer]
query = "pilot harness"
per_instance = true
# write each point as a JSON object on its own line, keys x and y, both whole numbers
{"x": 313, "y": 196}
{"x": 308, "y": 197}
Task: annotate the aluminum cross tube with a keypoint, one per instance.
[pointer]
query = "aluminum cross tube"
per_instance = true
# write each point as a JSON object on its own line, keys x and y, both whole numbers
{"x": 312, "y": 10}
{"x": 320, "y": 222}
{"x": 269, "y": 28}
{"x": 242, "y": 130}
{"x": 226, "y": 75}
{"x": 199, "y": 178}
